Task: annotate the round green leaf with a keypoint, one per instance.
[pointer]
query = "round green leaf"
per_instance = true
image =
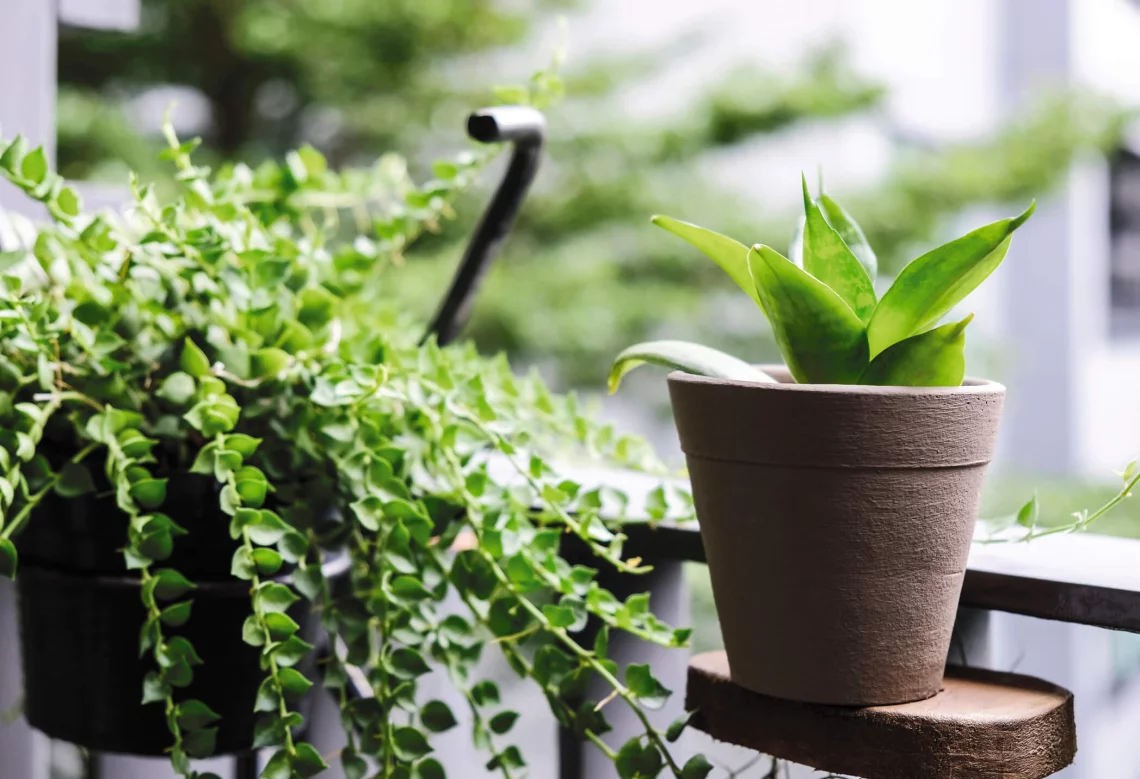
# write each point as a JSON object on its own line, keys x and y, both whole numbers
{"x": 74, "y": 480}
{"x": 503, "y": 721}
{"x": 410, "y": 743}
{"x": 194, "y": 360}
{"x": 268, "y": 562}
{"x": 8, "y": 558}
{"x": 437, "y": 717}
{"x": 178, "y": 388}
{"x": 307, "y": 761}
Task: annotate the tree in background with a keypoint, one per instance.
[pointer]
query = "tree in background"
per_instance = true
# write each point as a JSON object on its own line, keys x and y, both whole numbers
{"x": 583, "y": 274}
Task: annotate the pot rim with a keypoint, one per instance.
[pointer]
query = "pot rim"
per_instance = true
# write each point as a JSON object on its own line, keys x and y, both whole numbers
{"x": 970, "y": 385}
{"x": 335, "y": 565}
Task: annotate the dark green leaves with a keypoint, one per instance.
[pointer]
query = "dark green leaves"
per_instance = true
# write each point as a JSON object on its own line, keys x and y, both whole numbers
{"x": 74, "y": 480}
{"x": 730, "y": 255}
{"x": 932, "y": 284}
{"x": 410, "y": 743}
{"x": 8, "y": 558}
{"x": 683, "y": 356}
{"x": 170, "y": 584}
{"x": 200, "y": 743}
{"x": 935, "y": 358}
{"x": 697, "y": 767}
{"x": 194, "y": 714}
{"x": 641, "y": 682}
{"x": 677, "y": 726}
{"x": 828, "y": 258}
{"x": 821, "y": 338}
{"x": 638, "y": 761}
{"x": 437, "y": 717}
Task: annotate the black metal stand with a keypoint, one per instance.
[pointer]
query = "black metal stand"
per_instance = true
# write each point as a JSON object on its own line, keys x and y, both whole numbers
{"x": 525, "y": 128}
{"x": 245, "y": 766}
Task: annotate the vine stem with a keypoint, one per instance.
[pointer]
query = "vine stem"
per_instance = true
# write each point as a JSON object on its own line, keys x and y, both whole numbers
{"x": 255, "y": 585}
{"x": 564, "y": 516}
{"x": 1081, "y": 523}
{"x": 153, "y": 612}
{"x": 37, "y": 497}
{"x": 587, "y": 657}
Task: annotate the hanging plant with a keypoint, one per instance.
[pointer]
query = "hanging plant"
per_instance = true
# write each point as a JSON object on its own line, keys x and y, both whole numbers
{"x": 213, "y": 371}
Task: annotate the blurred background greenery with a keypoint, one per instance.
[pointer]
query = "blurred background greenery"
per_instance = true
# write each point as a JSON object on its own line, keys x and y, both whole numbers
{"x": 583, "y": 275}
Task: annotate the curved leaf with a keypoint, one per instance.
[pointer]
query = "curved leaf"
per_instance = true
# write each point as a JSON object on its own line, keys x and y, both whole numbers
{"x": 851, "y": 234}
{"x": 821, "y": 338}
{"x": 8, "y": 558}
{"x": 829, "y": 259}
{"x": 730, "y": 255}
{"x": 935, "y": 282}
{"x": 684, "y": 356}
{"x": 935, "y": 358}
{"x": 796, "y": 246}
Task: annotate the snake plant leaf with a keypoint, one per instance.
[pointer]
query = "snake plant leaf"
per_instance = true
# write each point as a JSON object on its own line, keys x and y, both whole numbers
{"x": 830, "y": 260}
{"x": 935, "y": 358}
{"x": 934, "y": 283}
{"x": 684, "y": 356}
{"x": 820, "y": 337}
{"x": 851, "y": 234}
{"x": 730, "y": 255}
{"x": 796, "y": 247}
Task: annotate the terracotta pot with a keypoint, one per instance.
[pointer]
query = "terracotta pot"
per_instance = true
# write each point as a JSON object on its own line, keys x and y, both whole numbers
{"x": 836, "y": 521}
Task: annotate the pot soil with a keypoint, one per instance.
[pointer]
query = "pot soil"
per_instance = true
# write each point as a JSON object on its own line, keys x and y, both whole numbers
{"x": 836, "y": 521}
{"x": 80, "y": 616}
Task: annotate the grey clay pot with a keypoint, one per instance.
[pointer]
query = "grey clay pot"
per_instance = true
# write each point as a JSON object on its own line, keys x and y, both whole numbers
{"x": 836, "y": 521}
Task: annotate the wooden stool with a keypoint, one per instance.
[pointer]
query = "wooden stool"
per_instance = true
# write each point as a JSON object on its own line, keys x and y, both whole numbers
{"x": 983, "y": 725}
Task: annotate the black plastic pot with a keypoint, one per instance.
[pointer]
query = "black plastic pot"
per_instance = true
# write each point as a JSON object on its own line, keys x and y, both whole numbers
{"x": 80, "y": 615}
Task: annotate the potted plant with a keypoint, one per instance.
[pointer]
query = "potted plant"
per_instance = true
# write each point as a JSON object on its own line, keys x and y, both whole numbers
{"x": 208, "y": 409}
{"x": 837, "y": 494}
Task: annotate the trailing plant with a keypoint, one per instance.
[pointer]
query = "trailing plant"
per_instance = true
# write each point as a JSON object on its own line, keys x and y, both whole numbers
{"x": 821, "y": 303}
{"x": 223, "y": 333}
{"x": 1027, "y": 524}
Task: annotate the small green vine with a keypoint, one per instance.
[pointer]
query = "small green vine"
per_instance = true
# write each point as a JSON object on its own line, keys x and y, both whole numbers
{"x": 238, "y": 333}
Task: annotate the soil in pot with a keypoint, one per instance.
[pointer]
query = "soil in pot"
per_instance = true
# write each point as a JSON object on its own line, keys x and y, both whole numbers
{"x": 836, "y": 521}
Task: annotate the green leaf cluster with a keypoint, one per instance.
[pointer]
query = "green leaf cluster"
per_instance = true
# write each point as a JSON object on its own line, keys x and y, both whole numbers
{"x": 822, "y": 306}
{"x": 227, "y": 333}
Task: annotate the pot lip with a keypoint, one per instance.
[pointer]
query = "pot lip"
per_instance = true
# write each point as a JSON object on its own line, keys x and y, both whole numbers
{"x": 970, "y": 386}
{"x": 336, "y": 564}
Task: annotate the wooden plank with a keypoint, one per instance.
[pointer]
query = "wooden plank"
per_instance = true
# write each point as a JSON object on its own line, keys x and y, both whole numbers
{"x": 100, "y": 14}
{"x": 982, "y": 724}
{"x": 1079, "y": 578}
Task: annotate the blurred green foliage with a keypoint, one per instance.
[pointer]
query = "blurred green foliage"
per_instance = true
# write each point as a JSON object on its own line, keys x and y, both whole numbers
{"x": 583, "y": 274}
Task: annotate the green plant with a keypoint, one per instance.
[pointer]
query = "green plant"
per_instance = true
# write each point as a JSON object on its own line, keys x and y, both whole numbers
{"x": 822, "y": 307}
{"x": 232, "y": 332}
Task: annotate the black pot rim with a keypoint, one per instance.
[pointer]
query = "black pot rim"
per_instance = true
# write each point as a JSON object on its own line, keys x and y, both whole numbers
{"x": 336, "y": 565}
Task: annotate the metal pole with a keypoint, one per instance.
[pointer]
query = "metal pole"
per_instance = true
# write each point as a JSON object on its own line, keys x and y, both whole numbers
{"x": 525, "y": 128}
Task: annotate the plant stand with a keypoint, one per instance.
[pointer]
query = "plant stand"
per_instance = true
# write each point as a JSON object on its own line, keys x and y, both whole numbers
{"x": 982, "y": 724}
